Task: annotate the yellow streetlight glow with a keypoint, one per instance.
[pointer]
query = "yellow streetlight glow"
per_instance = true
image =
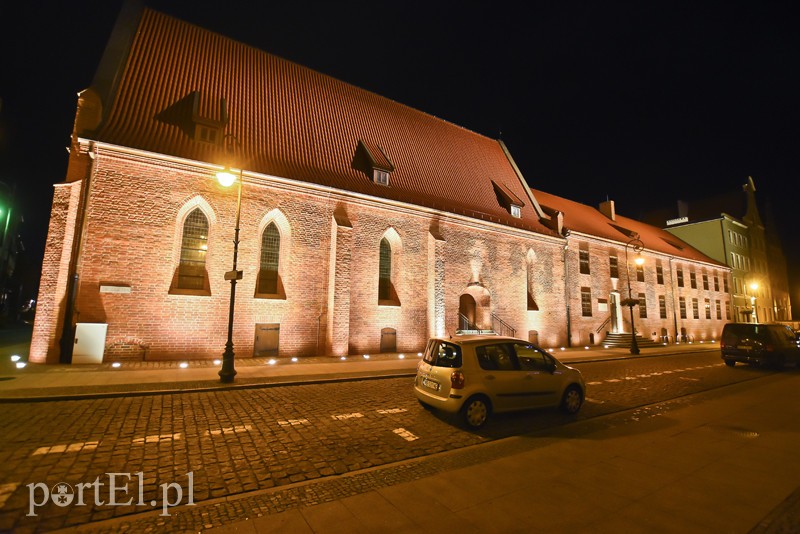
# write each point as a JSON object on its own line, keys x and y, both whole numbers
{"x": 226, "y": 177}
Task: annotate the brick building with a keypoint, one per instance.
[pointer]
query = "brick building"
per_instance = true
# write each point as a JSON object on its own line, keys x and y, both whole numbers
{"x": 365, "y": 225}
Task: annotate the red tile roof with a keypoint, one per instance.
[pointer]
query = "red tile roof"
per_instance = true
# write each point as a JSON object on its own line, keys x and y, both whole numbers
{"x": 588, "y": 220}
{"x": 300, "y": 124}
{"x": 296, "y": 123}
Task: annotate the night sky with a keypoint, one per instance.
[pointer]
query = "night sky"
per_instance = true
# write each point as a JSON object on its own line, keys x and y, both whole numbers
{"x": 644, "y": 103}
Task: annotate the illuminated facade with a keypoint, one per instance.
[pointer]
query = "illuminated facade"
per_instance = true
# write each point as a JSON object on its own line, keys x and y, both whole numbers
{"x": 730, "y": 229}
{"x": 366, "y": 226}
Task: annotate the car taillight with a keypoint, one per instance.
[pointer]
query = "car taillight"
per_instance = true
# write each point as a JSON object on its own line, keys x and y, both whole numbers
{"x": 457, "y": 380}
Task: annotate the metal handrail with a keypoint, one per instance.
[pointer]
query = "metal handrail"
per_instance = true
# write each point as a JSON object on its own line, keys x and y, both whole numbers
{"x": 506, "y": 328}
{"x": 464, "y": 324}
{"x": 603, "y": 324}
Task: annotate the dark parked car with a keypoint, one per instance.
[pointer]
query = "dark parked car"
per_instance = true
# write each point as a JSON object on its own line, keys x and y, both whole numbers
{"x": 760, "y": 344}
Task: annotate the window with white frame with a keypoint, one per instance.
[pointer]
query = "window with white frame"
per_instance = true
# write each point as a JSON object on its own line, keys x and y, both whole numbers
{"x": 380, "y": 176}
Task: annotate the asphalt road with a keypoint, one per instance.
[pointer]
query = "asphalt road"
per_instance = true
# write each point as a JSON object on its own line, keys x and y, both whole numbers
{"x": 235, "y": 442}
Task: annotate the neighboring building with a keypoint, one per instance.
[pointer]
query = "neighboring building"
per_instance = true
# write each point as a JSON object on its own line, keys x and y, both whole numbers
{"x": 729, "y": 228}
{"x": 366, "y": 225}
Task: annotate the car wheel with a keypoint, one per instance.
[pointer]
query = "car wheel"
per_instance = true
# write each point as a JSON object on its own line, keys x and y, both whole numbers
{"x": 572, "y": 400}
{"x": 475, "y": 411}
{"x": 730, "y": 363}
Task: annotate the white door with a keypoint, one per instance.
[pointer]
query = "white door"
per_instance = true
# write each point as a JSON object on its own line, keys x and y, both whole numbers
{"x": 90, "y": 342}
{"x": 616, "y": 315}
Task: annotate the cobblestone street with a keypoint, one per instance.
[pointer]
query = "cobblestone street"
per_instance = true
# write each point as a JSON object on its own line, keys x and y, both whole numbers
{"x": 232, "y": 441}
{"x": 245, "y": 442}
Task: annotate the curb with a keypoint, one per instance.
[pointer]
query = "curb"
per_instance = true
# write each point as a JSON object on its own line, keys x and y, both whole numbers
{"x": 205, "y": 389}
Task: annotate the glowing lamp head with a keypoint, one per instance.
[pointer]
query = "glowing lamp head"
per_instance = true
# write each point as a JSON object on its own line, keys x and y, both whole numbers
{"x": 639, "y": 260}
{"x": 226, "y": 177}
{"x": 754, "y": 286}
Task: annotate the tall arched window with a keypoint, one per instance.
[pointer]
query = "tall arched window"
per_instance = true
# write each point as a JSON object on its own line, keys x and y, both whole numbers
{"x": 531, "y": 281}
{"x": 385, "y": 271}
{"x": 194, "y": 246}
{"x": 268, "y": 279}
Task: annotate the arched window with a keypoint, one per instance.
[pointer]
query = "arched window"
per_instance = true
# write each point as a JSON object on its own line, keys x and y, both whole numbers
{"x": 531, "y": 281}
{"x": 194, "y": 246}
{"x": 268, "y": 280}
{"x": 385, "y": 271}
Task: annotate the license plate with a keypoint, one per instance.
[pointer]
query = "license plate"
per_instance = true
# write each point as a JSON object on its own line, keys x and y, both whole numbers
{"x": 430, "y": 384}
{"x": 744, "y": 347}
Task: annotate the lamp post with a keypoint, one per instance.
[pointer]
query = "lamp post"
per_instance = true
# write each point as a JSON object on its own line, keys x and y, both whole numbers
{"x": 226, "y": 177}
{"x": 754, "y": 287}
{"x": 636, "y": 244}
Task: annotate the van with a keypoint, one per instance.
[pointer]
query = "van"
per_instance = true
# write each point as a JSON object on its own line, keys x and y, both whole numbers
{"x": 772, "y": 345}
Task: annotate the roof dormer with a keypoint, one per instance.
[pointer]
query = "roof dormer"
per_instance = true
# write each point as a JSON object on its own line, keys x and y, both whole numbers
{"x": 511, "y": 202}
{"x": 372, "y": 160}
{"x": 201, "y": 116}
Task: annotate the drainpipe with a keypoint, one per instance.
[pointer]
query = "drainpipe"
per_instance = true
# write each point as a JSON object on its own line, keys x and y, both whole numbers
{"x": 67, "y": 343}
{"x": 319, "y": 323}
{"x": 674, "y": 304}
{"x": 566, "y": 293}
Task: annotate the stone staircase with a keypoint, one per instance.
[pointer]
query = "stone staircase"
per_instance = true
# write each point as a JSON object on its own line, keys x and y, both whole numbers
{"x": 624, "y": 341}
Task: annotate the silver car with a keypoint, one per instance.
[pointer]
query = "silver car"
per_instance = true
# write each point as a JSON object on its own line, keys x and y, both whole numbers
{"x": 475, "y": 375}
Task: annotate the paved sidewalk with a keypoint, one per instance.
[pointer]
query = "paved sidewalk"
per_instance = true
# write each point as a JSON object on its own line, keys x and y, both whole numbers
{"x": 58, "y": 381}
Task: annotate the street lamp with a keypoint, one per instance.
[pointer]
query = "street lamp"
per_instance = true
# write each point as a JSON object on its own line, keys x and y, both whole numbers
{"x": 754, "y": 287}
{"x": 226, "y": 177}
{"x": 636, "y": 244}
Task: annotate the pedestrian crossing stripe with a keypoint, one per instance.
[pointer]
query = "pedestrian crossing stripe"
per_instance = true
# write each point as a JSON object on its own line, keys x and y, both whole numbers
{"x": 293, "y": 422}
{"x": 405, "y": 434}
{"x": 347, "y": 416}
{"x": 70, "y": 447}
{"x": 6, "y": 490}
{"x": 393, "y": 410}
{"x": 229, "y": 430}
{"x": 156, "y": 438}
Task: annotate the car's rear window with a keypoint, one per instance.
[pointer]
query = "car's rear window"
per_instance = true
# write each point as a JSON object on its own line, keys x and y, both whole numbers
{"x": 442, "y": 354}
{"x": 784, "y": 335}
{"x": 733, "y": 333}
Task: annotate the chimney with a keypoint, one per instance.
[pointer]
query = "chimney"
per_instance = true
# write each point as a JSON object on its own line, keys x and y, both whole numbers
{"x": 683, "y": 208}
{"x": 607, "y": 209}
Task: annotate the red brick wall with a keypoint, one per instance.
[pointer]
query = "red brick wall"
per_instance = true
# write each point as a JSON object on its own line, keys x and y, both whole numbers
{"x": 329, "y": 270}
{"x": 602, "y": 285}
{"x": 50, "y": 303}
